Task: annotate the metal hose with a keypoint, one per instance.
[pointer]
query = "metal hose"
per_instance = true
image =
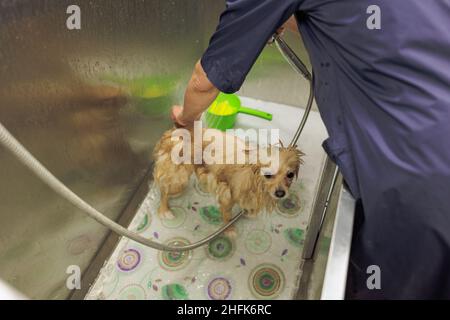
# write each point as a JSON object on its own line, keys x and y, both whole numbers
{"x": 297, "y": 64}
{"x": 27, "y": 159}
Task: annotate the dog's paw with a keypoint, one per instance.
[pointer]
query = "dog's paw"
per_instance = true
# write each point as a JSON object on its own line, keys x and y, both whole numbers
{"x": 166, "y": 214}
{"x": 231, "y": 232}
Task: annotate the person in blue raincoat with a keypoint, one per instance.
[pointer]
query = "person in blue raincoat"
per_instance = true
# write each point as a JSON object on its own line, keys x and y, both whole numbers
{"x": 383, "y": 91}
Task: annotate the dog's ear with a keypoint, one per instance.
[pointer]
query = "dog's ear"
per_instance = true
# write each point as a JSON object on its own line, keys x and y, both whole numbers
{"x": 297, "y": 169}
{"x": 299, "y": 160}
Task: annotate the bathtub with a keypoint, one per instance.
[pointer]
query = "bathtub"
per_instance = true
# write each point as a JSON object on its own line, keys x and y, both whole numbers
{"x": 90, "y": 104}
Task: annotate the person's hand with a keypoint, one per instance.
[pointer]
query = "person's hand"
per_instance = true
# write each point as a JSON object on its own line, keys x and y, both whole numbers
{"x": 290, "y": 25}
{"x": 175, "y": 114}
{"x": 280, "y": 31}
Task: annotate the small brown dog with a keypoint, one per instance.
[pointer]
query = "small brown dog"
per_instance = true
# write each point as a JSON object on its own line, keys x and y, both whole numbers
{"x": 248, "y": 184}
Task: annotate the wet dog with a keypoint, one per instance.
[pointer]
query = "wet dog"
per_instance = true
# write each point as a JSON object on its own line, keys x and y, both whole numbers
{"x": 253, "y": 185}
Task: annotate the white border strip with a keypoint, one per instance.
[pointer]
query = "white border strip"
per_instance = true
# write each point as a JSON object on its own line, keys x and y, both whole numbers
{"x": 9, "y": 293}
{"x": 338, "y": 257}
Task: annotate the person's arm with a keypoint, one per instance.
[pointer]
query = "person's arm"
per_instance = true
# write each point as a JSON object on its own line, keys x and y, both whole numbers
{"x": 244, "y": 29}
{"x": 199, "y": 95}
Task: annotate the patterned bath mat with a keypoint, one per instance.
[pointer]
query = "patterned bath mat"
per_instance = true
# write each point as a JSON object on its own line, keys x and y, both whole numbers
{"x": 262, "y": 262}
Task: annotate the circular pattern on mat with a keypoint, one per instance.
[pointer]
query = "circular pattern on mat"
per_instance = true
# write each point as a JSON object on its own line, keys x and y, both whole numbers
{"x": 290, "y": 206}
{"x": 178, "y": 221}
{"x": 258, "y": 241}
{"x": 211, "y": 215}
{"x": 266, "y": 281}
{"x": 220, "y": 248}
{"x": 174, "y": 291}
{"x": 175, "y": 260}
{"x": 145, "y": 223}
{"x": 294, "y": 236}
{"x": 132, "y": 292}
{"x": 219, "y": 289}
{"x": 129, "y": 260}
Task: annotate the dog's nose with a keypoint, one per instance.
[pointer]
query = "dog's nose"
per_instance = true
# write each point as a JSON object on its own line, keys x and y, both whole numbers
{"x": 280, "y": 193}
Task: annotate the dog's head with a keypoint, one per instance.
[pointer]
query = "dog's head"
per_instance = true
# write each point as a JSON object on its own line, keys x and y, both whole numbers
{"x": 277, "y": 182}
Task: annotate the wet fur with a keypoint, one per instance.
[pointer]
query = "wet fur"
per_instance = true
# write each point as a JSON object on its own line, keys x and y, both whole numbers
{"x": 241, "y": 184}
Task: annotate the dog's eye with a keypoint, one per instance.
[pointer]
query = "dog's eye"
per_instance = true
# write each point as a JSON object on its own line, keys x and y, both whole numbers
{"x": 268, "y": 176}
{"x": 290, "y": 175}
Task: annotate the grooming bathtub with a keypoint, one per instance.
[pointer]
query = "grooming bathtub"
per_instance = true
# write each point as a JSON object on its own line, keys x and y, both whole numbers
{"x": 90, "y": 105}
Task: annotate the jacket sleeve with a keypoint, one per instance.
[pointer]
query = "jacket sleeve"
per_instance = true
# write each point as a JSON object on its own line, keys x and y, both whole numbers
{"x": 244, "y": 29}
